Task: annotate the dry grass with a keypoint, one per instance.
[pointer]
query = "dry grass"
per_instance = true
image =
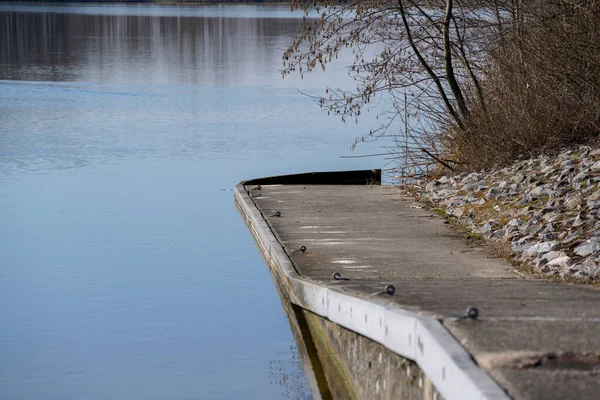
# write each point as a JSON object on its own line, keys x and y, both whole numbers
{"x": 542, "y": 88}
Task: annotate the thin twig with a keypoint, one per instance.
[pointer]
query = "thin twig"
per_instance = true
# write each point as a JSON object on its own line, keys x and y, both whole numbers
{"x": 437, "y": 159}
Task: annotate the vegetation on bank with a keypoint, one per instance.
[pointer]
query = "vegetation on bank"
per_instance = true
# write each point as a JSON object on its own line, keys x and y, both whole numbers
{"x": 467, "y": 85}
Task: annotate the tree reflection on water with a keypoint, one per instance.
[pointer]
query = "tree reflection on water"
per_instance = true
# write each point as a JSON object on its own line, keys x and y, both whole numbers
{"x": 290, "y": 376}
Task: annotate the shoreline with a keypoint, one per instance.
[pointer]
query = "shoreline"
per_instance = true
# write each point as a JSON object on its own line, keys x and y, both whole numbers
{"x": 542, "y": 214}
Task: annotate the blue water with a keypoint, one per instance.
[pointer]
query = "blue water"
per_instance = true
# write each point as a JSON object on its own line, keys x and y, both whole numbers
{"x": 257, "y": 10}
{"x": 125, "y": 270}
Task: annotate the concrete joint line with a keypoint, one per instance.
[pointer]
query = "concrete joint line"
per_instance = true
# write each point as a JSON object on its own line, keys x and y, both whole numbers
{"x": 423, "y": 340}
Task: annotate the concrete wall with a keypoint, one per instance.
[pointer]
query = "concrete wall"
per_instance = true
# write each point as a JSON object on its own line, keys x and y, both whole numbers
{"x": 341, "y": 364}
{"x": 362, "y": 369}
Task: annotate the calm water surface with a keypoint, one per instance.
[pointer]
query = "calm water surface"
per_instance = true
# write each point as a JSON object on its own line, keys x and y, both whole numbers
{"x": 125, "y": 270}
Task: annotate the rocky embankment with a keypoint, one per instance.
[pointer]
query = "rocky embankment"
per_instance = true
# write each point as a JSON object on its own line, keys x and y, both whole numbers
{"x": 543, "y": 213}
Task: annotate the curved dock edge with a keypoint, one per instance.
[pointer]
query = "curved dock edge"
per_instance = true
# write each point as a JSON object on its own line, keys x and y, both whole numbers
{"x": 423, "y": 340}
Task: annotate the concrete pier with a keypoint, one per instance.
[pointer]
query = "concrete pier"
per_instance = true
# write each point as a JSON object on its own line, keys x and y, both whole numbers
{"x": 532, "y": 339}
{"x": 341, "y": 364}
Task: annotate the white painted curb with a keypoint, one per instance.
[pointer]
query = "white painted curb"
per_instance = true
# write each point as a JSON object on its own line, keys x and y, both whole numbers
{"x": 423, "y": 340}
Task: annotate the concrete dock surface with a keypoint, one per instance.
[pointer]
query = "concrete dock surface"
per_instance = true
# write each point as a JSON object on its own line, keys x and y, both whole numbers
{"x": 537, "y": 339}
